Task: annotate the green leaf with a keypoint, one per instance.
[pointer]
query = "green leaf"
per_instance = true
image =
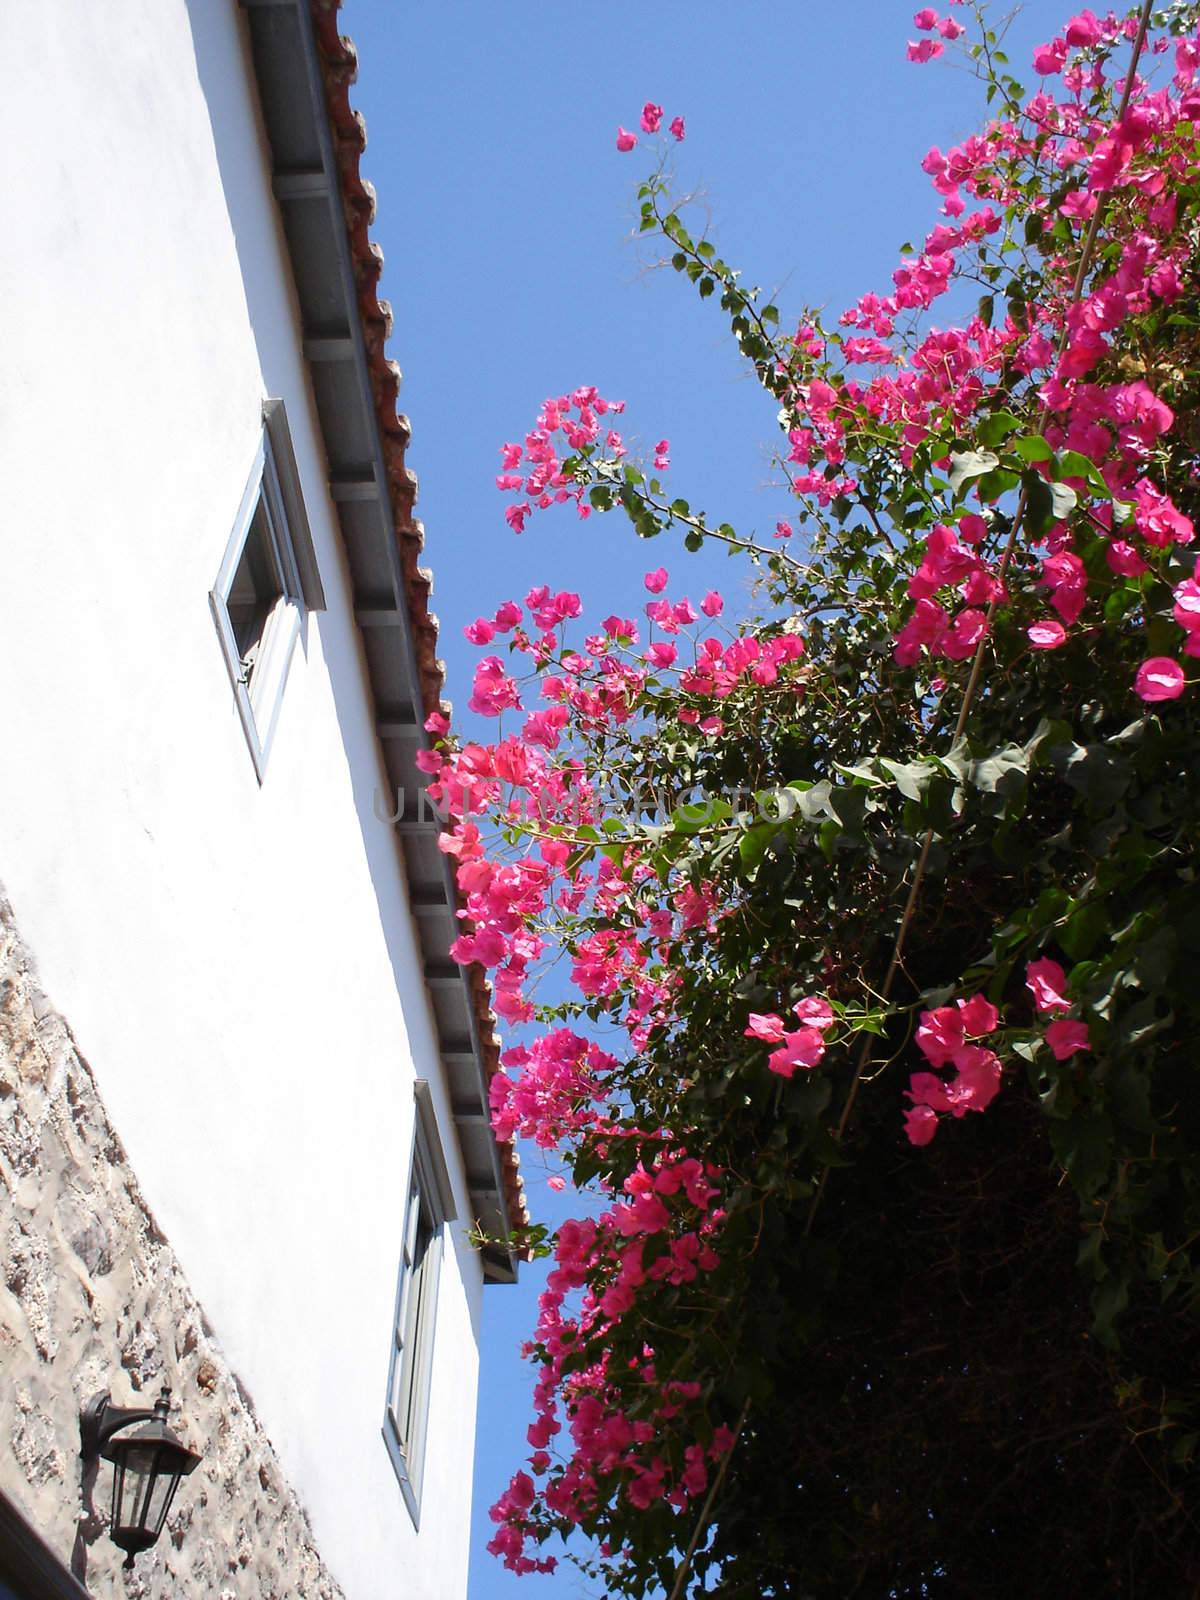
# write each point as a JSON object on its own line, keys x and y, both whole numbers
{"x": 996, "y": 771}
{"x": 1108, "y": 1302}
{"x": 752, "y": 845}
{"x": 995, "y": 483}
{"x": 969, "y": 464}
{"x": 850, "y": 804}
{"x": 997, "y": 427}
{"x": 1071, "y": 464}
{"x": 1032, "y": 447}
{"x": 1084, "y": 1144}
{"x": 1084, "y": 929}
{"x": 705, "y": 813}
{"x": 1046, "y": 503}
{"x": 910, "y": 778}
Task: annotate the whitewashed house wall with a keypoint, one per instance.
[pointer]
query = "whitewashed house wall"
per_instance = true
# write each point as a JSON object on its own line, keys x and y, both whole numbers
{"x": 237, "y": 961}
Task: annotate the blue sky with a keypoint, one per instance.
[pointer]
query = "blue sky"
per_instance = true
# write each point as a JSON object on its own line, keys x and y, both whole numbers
{"x": 505, "y": 217}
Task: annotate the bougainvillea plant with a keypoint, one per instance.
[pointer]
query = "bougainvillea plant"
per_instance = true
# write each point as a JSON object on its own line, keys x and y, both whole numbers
{"x": 880, "y": 905}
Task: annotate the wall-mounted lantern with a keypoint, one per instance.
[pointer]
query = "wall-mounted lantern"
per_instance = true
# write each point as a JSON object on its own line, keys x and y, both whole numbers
{"x": 147, "y": 1466}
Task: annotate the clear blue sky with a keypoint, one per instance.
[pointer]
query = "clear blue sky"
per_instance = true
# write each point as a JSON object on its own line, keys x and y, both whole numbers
{"x": 505, "y": 216}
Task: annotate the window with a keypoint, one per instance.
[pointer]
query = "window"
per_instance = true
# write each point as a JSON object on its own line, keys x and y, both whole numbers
{"x": 428, "y": 1208}
{"x": 267, "y": 582}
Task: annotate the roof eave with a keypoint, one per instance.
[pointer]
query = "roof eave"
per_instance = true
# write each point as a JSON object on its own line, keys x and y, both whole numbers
{"x": 304, "y": 69}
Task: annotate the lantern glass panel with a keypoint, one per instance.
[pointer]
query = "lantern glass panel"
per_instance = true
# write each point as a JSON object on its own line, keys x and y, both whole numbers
{"x": 132, "y": 1480}
{"x": 162, "y": 1492}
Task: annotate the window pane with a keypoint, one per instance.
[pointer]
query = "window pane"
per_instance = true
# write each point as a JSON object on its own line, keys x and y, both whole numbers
{"x": 411, "y": 1366}
{"x": 256, "y": 589}
{"x": 416, "y": 1331}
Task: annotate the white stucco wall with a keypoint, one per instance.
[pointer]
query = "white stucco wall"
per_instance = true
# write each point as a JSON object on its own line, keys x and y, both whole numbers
{"x": 237, "y": 961}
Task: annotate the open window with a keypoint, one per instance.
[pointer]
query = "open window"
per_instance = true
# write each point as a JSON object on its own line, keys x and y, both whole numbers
{"x": 429, "y": 1206}
{"x": 267, "y": 582}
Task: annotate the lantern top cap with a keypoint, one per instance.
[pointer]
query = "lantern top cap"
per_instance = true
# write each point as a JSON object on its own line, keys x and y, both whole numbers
{"x": 101, "y": 1422}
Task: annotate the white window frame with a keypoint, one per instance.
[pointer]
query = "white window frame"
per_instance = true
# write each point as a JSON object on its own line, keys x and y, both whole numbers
{"x": 429, "y": 1206}
{"x": 273, "y": 487}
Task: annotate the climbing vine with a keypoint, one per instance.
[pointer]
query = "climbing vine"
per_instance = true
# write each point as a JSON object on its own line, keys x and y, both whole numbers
{"x": 878, "y": 905}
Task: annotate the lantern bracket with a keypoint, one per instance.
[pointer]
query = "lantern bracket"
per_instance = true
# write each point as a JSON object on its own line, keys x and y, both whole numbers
{"x": 100, "y": 1420}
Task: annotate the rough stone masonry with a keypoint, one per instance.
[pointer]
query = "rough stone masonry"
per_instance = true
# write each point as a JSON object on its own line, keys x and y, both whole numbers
{"x": 92, "y": 1297}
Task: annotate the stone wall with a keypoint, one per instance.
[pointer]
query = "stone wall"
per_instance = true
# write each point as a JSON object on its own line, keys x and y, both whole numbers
{"x": 92, "y": 1297}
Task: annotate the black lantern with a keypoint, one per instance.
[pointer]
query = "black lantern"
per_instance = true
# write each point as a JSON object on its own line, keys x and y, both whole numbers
{"x": 147, "y": 1466}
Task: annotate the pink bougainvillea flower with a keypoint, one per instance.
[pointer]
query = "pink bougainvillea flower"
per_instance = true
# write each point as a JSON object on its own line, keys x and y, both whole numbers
{"x": 1160, "y": 678}
{"x": 656, "y": 581}
{"x": 1124, "y": 560}
{"x": 949, "y": 29}
{"x": 783, "y": 530}
{"x": 677, "y": 128}
{"x": 620, "y": 628}
{"x": 939, "y": 1034}
{"x": 1187, "y": 605}
{"x": 481, "y": 631}
{"x": 979, "y": 1015}
{"x": 625, "y": 139}
{"x": 920, "y": 1124}
{"x": 1079, "y": 205}
{"x": 803, "y": 1048}
{"x": 924, "y": 49}
{"x": 814, "y": 1011}
{"x": 1050, "y": 58}
{"x": 1064, "y": 575}
{"x": 556, "y": 1183}
{"x": 661, "y": 458}
{"x": 977, "y": 1080}
{"x": 1083, "y": 30}
{"x": 1047, "y": 635}
{"x": 1046, "y": 981}
{"x": 925, "y": 19}
{"x": 712, "y": 605}
{"x": 767, "y": 1027}
{"x": 927, "y": 1089}
{"x": 494, "y": 690}
{"x": 651, "y": 117}
{"x": 1065, "y": 1037}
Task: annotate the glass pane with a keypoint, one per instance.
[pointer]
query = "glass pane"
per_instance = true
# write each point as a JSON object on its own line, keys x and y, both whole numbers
{"x": 162, "y": 1491}
{"x": 415, "y": 1330}
{"x": 138, "y": 1477}
{"x": 411, "y": 1223}
{"x": 255, "y": 591}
